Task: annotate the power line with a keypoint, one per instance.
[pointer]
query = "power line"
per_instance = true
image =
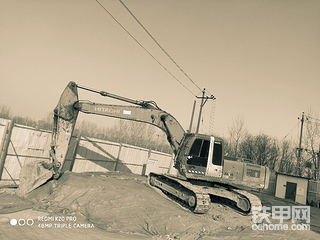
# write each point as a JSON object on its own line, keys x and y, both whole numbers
{"x": 143, "y": 46}
{"x": 159, "y": 45}
{"x": 290, "y": 131}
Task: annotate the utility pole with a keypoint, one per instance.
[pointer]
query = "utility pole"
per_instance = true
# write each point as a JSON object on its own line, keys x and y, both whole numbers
{"x": 201, "y": 105}
{"x": 318, "y": 177}
{"x": 194, "y": 106}
{"x": 317, "y": 167}
{"x": 299, "y": 149}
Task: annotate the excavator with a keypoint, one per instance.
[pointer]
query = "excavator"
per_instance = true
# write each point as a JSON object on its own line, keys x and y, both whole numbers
{"x": 203, "y": 174}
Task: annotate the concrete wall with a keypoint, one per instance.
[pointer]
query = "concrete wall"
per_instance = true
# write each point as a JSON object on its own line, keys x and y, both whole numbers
{"x": 84, "y": 155}
{"x": 314, "y": 193}
{"x": 100, "y": 155}
{"x": 272, "y": 184}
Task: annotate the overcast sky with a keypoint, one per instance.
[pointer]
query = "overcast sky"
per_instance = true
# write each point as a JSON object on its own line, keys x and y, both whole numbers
{"x": 260, "y": 59}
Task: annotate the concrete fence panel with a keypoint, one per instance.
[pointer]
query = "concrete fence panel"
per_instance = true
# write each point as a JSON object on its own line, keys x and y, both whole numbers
{"x": 3, "y": 123}
{"x": 26, "y": 145}
{"x": 6, "y": 130}
{"x": 164, "y": 160}
{"x": 84, "y": 154}
{"x": 132, "y": 159}
{"x": 314, "y": 193}
{"x": 95, "y": 155}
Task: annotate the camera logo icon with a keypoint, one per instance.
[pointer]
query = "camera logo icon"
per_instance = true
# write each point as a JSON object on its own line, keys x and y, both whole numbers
{"x": 21, "y": 222}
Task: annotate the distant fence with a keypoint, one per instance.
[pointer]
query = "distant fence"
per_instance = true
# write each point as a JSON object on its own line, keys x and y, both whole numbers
{"x": 313, "y": 197}
{"x": 272, "y": 184}
{"x": 21, "y": 145}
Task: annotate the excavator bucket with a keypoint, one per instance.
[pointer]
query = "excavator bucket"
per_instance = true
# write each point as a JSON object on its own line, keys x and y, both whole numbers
{"x": 33, "y": 175}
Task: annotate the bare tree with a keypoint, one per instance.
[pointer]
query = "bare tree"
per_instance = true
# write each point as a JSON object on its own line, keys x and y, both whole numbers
{"x": 87, "y": 129}
{"x": 285, "y": 163}
{"x": 274, "y": 152}
{"x": 247, "y": 147}
{"x": 261, "y": 145}
{"x": 236, "y": 133}
{"x": 5, "y": 112}
{"x": 46, "y": 122}
{"x": 311, "y": 139}
{"x": 267, "y": 150}
{"x": 121, "y": 130}
{"x": 140, "y": 134}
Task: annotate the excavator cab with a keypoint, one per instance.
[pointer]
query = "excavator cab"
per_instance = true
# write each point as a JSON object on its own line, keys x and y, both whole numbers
{"x": 201, "y": 156}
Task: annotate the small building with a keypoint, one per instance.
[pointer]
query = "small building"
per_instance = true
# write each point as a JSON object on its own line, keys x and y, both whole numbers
{"x": 292, "y": 187}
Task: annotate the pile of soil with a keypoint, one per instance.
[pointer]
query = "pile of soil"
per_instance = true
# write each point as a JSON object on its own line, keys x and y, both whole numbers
{"x": 115, "y": 205}
{"x": 119, "y": 202}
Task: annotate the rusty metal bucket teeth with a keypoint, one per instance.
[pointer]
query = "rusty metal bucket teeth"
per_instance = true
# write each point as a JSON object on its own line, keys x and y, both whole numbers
{"x": 33, "y": 175}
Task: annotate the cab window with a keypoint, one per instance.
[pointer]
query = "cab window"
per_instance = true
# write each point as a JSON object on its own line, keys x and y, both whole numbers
{"x": 217, "y": 154}
{"x": 199, "y": 152}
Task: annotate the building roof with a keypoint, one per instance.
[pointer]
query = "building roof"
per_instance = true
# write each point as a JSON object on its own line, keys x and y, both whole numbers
{"x": 285, "y": 174}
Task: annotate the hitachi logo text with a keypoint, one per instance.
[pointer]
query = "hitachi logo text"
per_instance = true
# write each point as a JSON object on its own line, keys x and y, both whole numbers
{"x": 107, "y": 110}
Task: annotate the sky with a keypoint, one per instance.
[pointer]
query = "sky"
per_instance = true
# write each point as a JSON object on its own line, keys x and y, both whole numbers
{"x": 260, "y": 59}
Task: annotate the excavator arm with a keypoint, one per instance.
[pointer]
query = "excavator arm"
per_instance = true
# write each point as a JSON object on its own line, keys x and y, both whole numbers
{"x": 34, "y": 174}
{"x": 69, "y": 106}
{"x": 65, "y": 117}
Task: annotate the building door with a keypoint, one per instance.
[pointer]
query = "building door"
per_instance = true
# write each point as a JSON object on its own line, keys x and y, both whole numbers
{"x": 291, "y": 190}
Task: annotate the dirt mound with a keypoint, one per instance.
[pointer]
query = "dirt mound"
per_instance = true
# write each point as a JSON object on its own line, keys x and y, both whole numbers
{"x": 120, "y": 202}
{"x": 116, "y": 205}
{"x": 10, "y": 202}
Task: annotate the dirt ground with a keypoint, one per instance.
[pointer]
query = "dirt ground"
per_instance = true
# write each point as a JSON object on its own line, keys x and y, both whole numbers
{"x": 115, "y": 205}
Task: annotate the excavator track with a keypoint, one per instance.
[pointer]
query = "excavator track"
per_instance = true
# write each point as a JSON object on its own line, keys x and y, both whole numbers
{"x": 197, "y": 197}
{"x": 253, "y": 199}
{"x": 195, "y": 200}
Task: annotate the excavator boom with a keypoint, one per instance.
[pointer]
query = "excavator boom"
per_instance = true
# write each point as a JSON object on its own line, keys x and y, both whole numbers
{"x": 153, "y": 116}
{"x": 65, "y": 116}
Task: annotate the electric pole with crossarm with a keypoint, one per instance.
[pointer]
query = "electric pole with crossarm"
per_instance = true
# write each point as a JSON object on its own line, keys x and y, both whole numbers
{"x": 203, "y": 102}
